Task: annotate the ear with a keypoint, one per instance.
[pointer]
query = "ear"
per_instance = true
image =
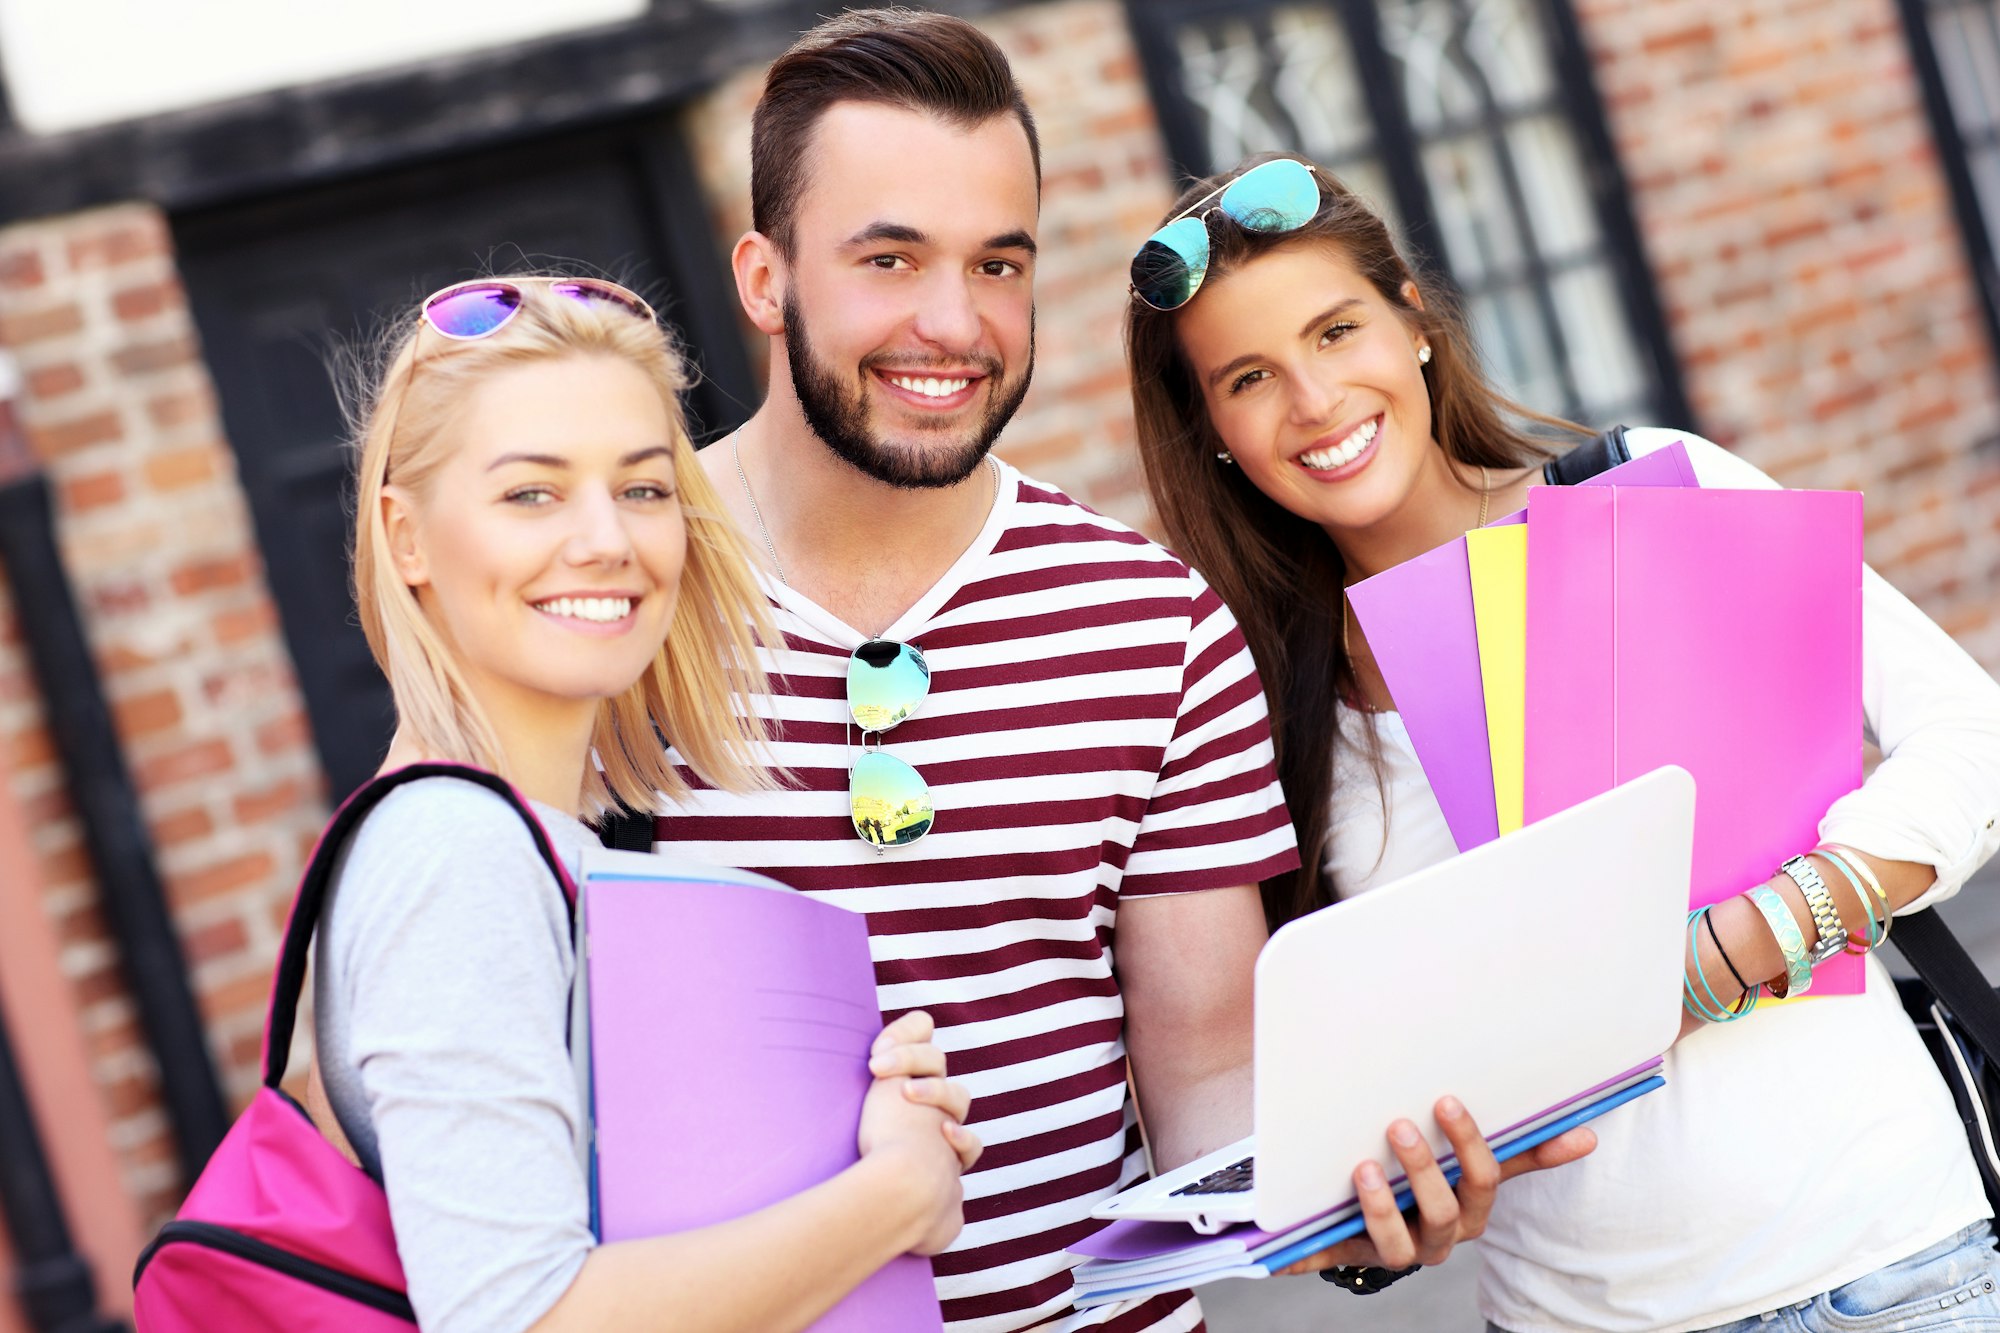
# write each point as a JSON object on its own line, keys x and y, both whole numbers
{"x": 759, "y": 273}
{"x": 1412, "y": 294}
{"x": 399, "y": 521}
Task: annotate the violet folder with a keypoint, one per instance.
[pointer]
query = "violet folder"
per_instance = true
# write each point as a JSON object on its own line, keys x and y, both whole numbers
{"x": 1717, "y": 630}
{"x": 729, "y": 1027}
{"x": 1421, "y": 627}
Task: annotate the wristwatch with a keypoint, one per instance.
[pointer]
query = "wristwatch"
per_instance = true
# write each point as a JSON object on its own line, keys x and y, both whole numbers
{"x": 1826, "y": 918}
{"x": 1364, "y": 1281}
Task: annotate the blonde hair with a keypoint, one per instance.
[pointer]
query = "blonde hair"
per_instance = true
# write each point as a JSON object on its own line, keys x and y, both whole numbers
{"x": 698, "y": 692}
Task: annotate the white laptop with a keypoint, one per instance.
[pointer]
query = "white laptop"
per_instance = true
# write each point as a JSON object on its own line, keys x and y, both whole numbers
{"x": 1514, "y": 977}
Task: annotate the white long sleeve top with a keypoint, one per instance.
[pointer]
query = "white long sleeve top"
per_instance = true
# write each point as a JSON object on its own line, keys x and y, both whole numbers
{"x": 1787, "y": 1154}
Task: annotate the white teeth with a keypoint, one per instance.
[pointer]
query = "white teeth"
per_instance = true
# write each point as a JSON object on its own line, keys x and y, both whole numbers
{"x": 1345, "y": 452}
{"x": 602, "y": 610}
{"x": 930, "y": 387}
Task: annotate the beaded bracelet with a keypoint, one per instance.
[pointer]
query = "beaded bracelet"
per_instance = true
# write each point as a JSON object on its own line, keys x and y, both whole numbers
{"x": 1791, "y": 941}
{"x": 1876, "y": 931}
{"x": 1859, "y": 865}
{"x": 1711, "y": 1009}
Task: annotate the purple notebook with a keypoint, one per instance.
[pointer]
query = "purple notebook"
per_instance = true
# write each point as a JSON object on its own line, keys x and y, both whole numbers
{"x": 729, "y": 1026}
{"x": 1419, "y": 621}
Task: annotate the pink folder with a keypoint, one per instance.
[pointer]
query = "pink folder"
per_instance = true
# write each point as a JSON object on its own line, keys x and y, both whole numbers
{"x": 1717, "y": 630}
{"x": 729, "y": 1027}
{"x": 1419, "y": 621}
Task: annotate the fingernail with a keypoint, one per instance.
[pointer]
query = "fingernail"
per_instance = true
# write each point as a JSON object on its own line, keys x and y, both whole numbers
{"x": 1403, "y": 1134}
{"x": 880, "y": 1064}
{"x": 1369, "y": 1176}
{"x": 1451, "y": 1107}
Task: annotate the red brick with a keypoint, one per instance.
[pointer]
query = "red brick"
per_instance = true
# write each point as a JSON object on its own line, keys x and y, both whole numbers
{"x": 233, "y": 627}
{"x": 208, "y": 575}
{"x": 146, "y": 713}
{"x": 136, "y": 303}
{"x": 239, "y": 872}
{"x": 23, "y": 327}
{"x": 160, "y": 354}
{"x": 58, "y": 438}
{"x": 199, "y": 760}
{"x": 183, "y": 467}
{"x": 67, "y": 864}
{"x": 284, "y": 734}
{"x": 258, "y": 806}
{"x": 1680, "y": 39}
{"x": 82, "y": 925}
{"x": 93, "y": 491}
{"x": 120, "y": 597}
{"x": 247, "y": 994}
{"x": 130, "y": 1095}
{"x": 114, "y": 1039}
{"x": 21, "y": 270}
{"x": 224, "y": 937}
{"x": 180, "y": 408}
{"x": 182, "y": 826}
{"x": 135, "y": 239}
{"x": 47, "y": 382}
{"x": 97, "y": 985}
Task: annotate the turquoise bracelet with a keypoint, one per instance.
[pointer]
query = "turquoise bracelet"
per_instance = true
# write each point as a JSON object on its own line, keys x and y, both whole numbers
{"x": 1798, "y": 959}
{"x": 1711, "y": 1008}
{"x": 1875, "y": 929}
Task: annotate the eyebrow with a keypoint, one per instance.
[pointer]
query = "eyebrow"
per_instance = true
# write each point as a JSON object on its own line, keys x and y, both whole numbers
{"x": 902, "y": 234}
{"x": 637, "y": 456}
{"x": 1333, "y": 311}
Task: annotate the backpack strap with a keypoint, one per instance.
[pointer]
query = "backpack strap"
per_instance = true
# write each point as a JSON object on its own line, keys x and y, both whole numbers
{"x": 626, "y": 830}
{"x": 1585, "y": 461}
{"x": 318, "y": 879}
{"x": 1930, "y": 948}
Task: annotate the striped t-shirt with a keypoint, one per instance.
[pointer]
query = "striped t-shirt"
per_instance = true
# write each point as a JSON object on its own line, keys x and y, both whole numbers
{"x": 1094, "y": 730}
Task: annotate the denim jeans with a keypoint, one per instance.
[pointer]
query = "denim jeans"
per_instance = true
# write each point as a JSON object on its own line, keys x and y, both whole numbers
{"x": 1953, "y": 1285}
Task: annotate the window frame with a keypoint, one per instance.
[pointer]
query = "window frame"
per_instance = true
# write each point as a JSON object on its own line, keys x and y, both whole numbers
{"x": 1153, "y": 24}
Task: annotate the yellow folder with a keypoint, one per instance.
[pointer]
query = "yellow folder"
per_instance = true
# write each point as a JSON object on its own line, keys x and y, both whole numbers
{"x": 1499, "y": 561}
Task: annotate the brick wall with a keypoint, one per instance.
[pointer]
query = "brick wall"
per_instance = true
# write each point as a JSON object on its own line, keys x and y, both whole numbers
{"x": 1784, "y": 175}
{"x": 156, "y": 537}
{"x": 1105, "y": 183}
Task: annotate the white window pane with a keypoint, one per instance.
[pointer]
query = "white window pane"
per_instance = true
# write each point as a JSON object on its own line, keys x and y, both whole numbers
{"x": 1551, "y": 176}
{"x": 1474, "y": 215}
{"x": 1512, "y": 339}
{"x": 1603, "y": 361}
{"x": 1419, "y": 34}
{"x": 1506, "y": 41}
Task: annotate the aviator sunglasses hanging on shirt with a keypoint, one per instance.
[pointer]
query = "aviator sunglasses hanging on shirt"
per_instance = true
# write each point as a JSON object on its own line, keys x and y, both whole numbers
{"x": 888, "y": 800}
{"x": 1276, "y": 196}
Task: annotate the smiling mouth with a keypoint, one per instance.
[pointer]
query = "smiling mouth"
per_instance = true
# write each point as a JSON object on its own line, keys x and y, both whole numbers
{"x": 1349, "y": 449}
{"x": 933, "y": 388}
{"x": 596, "y": 610}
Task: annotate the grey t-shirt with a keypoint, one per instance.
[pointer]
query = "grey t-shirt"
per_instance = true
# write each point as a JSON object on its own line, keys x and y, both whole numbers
{"x": 443, "y": 970}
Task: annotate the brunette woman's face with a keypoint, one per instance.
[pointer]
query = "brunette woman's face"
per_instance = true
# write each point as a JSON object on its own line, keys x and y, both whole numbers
{"x": 1312, "y": 381}
{"x": 548, "y": 547}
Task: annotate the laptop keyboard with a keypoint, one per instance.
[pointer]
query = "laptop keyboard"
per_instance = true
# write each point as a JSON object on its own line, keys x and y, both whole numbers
{"x": 1236, "y": 1178}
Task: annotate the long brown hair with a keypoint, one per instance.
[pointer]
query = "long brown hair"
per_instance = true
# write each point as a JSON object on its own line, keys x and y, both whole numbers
{"x": 1281, "y": 574}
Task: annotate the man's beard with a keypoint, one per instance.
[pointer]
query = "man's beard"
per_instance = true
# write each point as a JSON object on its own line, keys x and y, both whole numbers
{"x": 840, "y": 418}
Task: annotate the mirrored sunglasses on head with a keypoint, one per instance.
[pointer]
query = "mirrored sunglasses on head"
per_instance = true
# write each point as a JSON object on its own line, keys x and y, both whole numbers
{"x": 482, "y": 307}
{"x": 889, "y": 801}
{"x": 1272, "y": 197}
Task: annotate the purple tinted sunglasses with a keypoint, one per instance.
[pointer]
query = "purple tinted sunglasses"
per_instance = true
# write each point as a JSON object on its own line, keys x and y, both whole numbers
{"x": 465, "y": 311}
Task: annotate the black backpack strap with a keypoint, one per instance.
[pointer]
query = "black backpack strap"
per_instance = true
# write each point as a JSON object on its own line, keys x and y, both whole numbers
{"x": 318, "y": 879}
{"x": 1930, "y": 948}
{"x": 1585, "y": 461}
{"x": 625, "y": 830}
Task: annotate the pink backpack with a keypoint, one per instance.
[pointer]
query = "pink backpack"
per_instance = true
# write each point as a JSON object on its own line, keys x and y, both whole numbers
{"x": 281, "y": 1232}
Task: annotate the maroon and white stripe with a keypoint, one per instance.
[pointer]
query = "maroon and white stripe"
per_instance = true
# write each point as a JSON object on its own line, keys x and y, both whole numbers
{"x": 1094, "y": 730}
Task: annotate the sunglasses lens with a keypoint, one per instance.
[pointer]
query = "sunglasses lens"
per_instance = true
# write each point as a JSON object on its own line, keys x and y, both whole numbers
{"x": 889, "y": 800}
{"x": 590, "y": 289}
{"x": 1276, "y": 196}
{"x": 885, "y": 683}
{"x": 474, "y": 311}
{"x": 1171, "y": 264}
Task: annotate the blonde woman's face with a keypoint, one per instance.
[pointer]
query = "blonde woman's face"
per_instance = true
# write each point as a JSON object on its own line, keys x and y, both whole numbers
{"x": 1312, "y": 381}
{"x": 549, "y": 546}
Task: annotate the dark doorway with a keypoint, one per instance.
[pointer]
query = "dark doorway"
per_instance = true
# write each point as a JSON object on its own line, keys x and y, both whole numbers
{"x": 278, "y": 285}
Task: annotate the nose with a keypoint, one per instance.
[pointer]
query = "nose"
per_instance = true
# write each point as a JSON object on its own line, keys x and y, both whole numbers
{"x": 948, "y": 317}
{"x": 1316, "y": 400}
{"x": 599, "y": 536}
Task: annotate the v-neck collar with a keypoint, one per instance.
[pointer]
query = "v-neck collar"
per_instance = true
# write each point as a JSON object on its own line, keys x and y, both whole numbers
{"x": 1007, "y": 485}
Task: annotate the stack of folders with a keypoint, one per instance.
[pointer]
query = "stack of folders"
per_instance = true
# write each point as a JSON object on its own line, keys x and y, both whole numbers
{"x": 1134, "y": 1259}
{"x": 1634, "y": 621}
{"x": 721, "y": 1033}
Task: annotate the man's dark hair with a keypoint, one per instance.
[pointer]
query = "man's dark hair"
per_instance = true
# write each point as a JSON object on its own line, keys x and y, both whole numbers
{"x": 908, "y": 58}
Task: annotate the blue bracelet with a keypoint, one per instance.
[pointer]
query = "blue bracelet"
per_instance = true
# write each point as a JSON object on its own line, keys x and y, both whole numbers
{"x": 1791, "y": 941}
{"x": 1711, "y": 1009}
{"x": 1839, "y": 862}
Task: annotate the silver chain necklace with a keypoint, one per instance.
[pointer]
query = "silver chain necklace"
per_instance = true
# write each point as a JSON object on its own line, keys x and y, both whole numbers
{"x": 770, "y": 547}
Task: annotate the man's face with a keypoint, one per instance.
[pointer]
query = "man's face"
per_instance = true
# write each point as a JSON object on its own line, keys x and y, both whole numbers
{"x": 909, "y": 304}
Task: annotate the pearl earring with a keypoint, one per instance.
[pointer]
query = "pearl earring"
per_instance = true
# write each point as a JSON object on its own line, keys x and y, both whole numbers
{"x": 1424, "y": 355}
{"x": 1226, "y": 457}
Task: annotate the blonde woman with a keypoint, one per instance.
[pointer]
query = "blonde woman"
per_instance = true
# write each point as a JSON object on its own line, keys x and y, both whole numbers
{"x": 542, "y": 573}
